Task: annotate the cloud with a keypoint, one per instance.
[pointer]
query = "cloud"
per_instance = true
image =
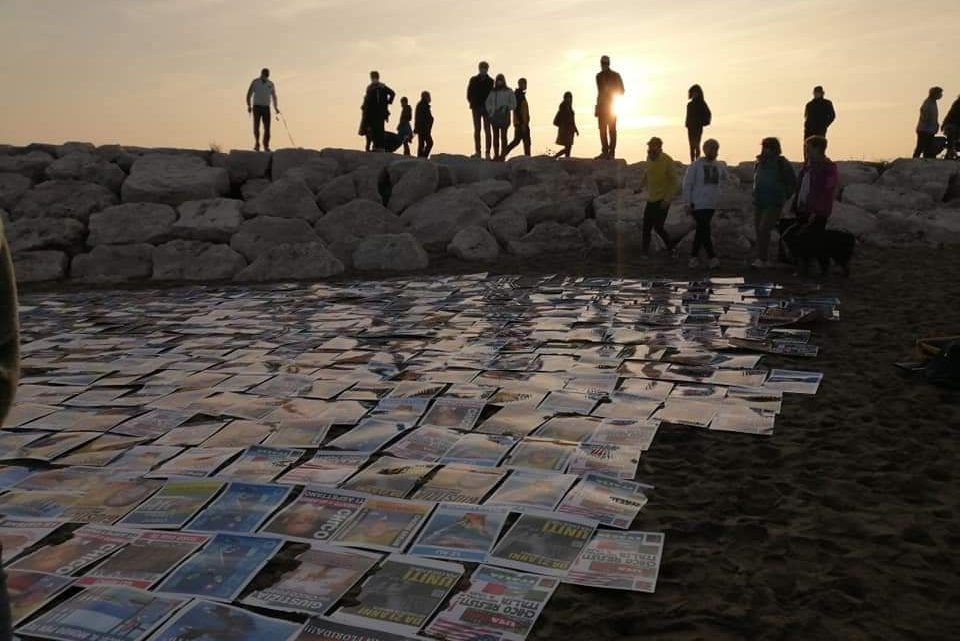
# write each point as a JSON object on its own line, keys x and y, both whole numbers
{"x": 291, "y": 9}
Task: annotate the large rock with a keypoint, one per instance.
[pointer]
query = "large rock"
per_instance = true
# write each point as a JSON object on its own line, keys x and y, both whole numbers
{"x": 173, "y": 179}
{"x": 349, "y": 160}
{"x": 390, "y": 252}
{"x": 12, "y": 188}
{"x": 195, "y": 260}
{"x": 593, "y": 236}
{"x": 113, "y": 264}
{"x": 943, "y": 226}
{"x": 931, "y": 177}
{"x": 74, "y": 147}
{"x": 87, "y": 167}
{"x": 435, "y": 220}
{"x": 548, "y": 237}
{"x": 337, "y": 192}
{"x": 745, "y": 171}
{"x": 507, "y": 226}
{"x": 679, "y": 222}
{"x": 286, "y": 159}
{"x": 474, "y": 243}
{"x": 253, "y": 188}
{"x": 215, "y": 220}
{"x": 40, "y": 266}
{"x": 120, "y": 156}
{"x": 470, "y": 170}
{"x": 367, "y": 181}
{"x": 45, "y": 233}
{"x": 619, "y": 212}
{"x": 565, "y": 201}
{"x": 257, "y": 236}
{"x": 31, "y": 165}
{"x": 412, "y": 180}
{"x": 344, "y": 227}
{"x": 857, "y": 173}
{"x": 536, "y": 170}
{"x": 491, "y": 192}
{"x": 316, "y": 173}
{"x": 131, "y": 223}
{"x": 285, "y": 198}
{"x": 293, "y": 261}
{"x": 243, "y": 165}
{"x": 63, "y": 199}
{"x": 877, "y": 198}
{"x": 859, "y": 222}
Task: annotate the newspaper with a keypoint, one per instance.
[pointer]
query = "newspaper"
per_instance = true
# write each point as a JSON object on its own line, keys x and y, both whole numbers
{"x": 387, "y": 525}
{"x": 460, "y": 484}
{"x": 316, "y": 515}
{"x": 110, "y": 502}
{"x": 306, "y": 433}
{"x": 531, "y": 490}
{"x": 324, "y": 574}
{"x": 173, "y": 506}
{"x": 540, "y": 455}
{"x": 49, "y": 447}
{"x": 612, "y": 460}
{"x": 794, "y": 382}
{"x": 145, "y": 560}
{"x": 203, "y": 621}
{"x": 259, "y": 463}
{"x": 543, "y": 542}
{"x": 619, "y": 560}
{"x": 461, "y": 532}
{"x": 318, "y": 629}
{"x": 401, "y": 595}
{"x": 628, "y": 432}
{"x": 500, "y": 604}
{"x": 574, "y": 429}
{"x": 101, "y": 451}
{"x": 35, "y": 505}
{"x": 142, "y": 458}
{"x": 239, "y": 434}
{"x": 241, "y": 508}
{"x": 454, "y": 413}
{"x": 479, "y": 449}
{"x": 16, "y": 535}
{"x": 30, "y": 591}
{"x": 89, "y": 544}
{"x": 744, "y": 419}
{"x": 389, "y": 476}
{"x": 369, "y": 435}
{"x": 326, "y": 469}
{"x": 610, "y": 501}
{"x": 424, "y": 444}
{"x": 198, "y": 462}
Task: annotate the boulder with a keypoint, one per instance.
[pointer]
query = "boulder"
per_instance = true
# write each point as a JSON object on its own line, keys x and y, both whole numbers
{"x": 258, "y": 235}
{"x": 292, "y": 261}
{"x": 40, "y": 266}
{"x": 131, "y": 223}
{"x": 316, "y": 173}
{"x": 173, "y": 180}
{"x": 253, "y": 188}
{"x": 220, "y": 159}
{"x": 447, "y": 179}
{"x": 74, "y": 147}
{"x": 858, "y": 222}
{"x": 12, "y": 187}
{"x": 284, "y": 198}
{"x": 470, "y": 170}
{"x": 31, "y": 165}
{"x": 877, "y": 198}
{"x": 507, "y": 226}
{"x": 367, "y": 181}
{"x": 593, "y": 236}
{"x": 86, "y": 167}
{"x": 120, "y": 156}
{"x": 286, "y": 159}
{"x": 390, "y": 252}
{"x": 349, "y": 160}
{"x": 548, "y": 237}
{"x": 29, "y": 234}
{"x": 565, "y": 201}
{"x": 42, "y": 147}
{"x": 856, "y": 173}
{"x": 344, "y": 227}
{"x": 113, "y": 264}
{"x": 679, "y": 222}
{"x": 243, "y": 165}
{"x": 619, "y": 212}
{"x": 931, "y": 177}
{"x": 730, "y": 232}
{"x": 943, "y": 226}
{"x": 215, "y": 220}
{"x": 338, "y": 191}
{"x": 474, "y": 243}
{"x": 491, "y": 192}
{"x": 195, "y": 260}
{"x": 63, "y": 199}
{"x": 607, "y": 174}
{"x": 744, "y": 171}
{"x": 435, "y": 220}
{"x": 412, "y": 181}
{"x": 535, "y": 170}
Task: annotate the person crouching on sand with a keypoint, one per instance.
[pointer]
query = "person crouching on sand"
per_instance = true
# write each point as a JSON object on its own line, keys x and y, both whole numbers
{"x": 701, "y": 188}
{"x": 566, "y": 123}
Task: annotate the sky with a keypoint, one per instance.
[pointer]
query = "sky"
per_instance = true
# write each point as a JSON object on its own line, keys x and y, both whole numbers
{"x": 175, "y": 72}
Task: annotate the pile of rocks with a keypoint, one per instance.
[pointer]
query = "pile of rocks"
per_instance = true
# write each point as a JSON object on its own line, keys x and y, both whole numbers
{"x": 114, "y": 214}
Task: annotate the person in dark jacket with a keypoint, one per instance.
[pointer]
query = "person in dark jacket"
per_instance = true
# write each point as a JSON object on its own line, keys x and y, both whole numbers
{"x": 774, "y": 183}
{"x": 566, "y": 123}
{"x": 9, "y": 369}
{"x": 376, "y": 109}
{"x": 951, "y": 129}
{"x": 698, "y": 117}
{"x": 818, "y": 115}
{"x": 609, "y": 88}
{"x": 521, "y": 121}
{"x": 423, "y": 126}
{"x": 405, "y": 128}
{"x": 819, "y": 180}
{"x": 478, "y": 89}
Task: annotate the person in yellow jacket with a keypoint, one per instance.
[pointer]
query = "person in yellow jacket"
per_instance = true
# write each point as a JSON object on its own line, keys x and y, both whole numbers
{"x": 9, "y": 367}
{"x": 660, "y": 181}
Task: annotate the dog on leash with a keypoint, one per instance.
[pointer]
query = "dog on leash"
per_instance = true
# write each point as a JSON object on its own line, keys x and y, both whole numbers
{"x": 837, "y": 247}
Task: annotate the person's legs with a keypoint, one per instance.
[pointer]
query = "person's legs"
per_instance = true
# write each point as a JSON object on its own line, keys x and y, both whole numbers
{"x": 478, "y": 122}
{"x": 257, "y": 116}
{"x": 266, "y": 128}
{"x": 428, "y": 146}
{"x": 527, "y": 143}
{"x": 649, "y": 213}
{"x": 406, "y": 146}
{"x": 659, "y": 220}
{"x": 613, "y": 137}
{"x": 697, "y": 240}
{"x": 694, "y": 136}
{"x": 923, "y": 145}
{"x": 929, "y": 150}
{"x": 953, "y": 134}
{"x": 604, "y": 138}
{"x": 703, "y": 219}
{"x": 497, "y": 131}
{"x": 377, "y": 131}
{"x": 487, "y": 130}
{"x": 766, "y": 220}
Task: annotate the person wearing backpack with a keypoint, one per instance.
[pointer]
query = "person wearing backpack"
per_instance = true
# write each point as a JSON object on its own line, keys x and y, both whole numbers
{"x": 774, "y": 183}
{"x": 566, "y": 123}
{"x": 500, "y": 104}
{"x": 698, "y": 117}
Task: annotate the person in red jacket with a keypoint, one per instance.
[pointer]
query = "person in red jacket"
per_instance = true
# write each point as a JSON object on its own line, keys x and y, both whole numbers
{"x": 818, "y": 181}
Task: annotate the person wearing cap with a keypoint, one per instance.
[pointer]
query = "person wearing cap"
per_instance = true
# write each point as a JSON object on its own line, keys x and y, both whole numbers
{"x": 701, "y": 189}
{"x": 818, "y": 115}
{"x": 929, "y": 124}
{"x": 660, "y": 181}
{"x": 9, "y": 370}
{"x": 262, "y": 91}
{"x": 478, "y": 89}
{"x": 609, "y": 87}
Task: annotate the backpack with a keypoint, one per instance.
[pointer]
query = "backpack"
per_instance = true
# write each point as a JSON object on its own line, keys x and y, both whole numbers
{"x": 500, "y": 117}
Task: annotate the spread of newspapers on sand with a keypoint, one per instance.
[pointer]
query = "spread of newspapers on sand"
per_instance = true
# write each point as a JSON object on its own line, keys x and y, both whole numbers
{"x": 367, "y": 461}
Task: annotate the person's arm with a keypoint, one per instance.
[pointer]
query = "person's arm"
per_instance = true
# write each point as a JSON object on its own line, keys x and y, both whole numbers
{"x": 806, "y": 112}
{"x": 490, "y": 103}
{"x": 391, "y": 94}
{"x": 470, "y": 92}
{"x": 250, "y": 95}
{"x": 672, "y": 181}
{"x": 9, "y": 329}
{"x": 273, "y": 94}
{"x": 831, "y": 115}
{"x": 511, "y": 101}
{"x": 689, "y": 179}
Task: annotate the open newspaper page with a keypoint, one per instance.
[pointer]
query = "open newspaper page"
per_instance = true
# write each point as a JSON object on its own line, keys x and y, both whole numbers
{"x": 146, "y": 560}
{"x": 610, "y": 501}
{"x": 203, "y": 620}
{"x": 316, "y": 515}
{"x": 619, "y": 560}
{"x": 461, "y": 532}
{"x": 543, "y": 542}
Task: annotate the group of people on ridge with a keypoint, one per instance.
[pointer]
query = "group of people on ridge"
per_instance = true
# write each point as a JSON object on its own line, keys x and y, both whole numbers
{"x": 375, "y": 112}
{"x": 929, "y": 125}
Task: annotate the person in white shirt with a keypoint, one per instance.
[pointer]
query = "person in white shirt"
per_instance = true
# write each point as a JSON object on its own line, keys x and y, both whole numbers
{"x": 701, "y": 188}
{"x": 262, "y": 91}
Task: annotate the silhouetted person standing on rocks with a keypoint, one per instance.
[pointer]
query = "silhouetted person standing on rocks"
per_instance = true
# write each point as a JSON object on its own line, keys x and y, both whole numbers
{"x": 405, "y": 128}
{"x": 660, "y": 180}
{"x": 263, "y": 92}
{"x": 609, "y": 87}
{"x": 500, "y": 104}
{"x": 951, "y": 129}
{"x": 566, "y": 123}
{"x": 521, "y": 121}
{"x": 478, "y": 89}
{"x": 929, "y": 124}
{"x": 376, "y": 109}
{"x": 818, "y": 115}
{"x": 423, "y": 126}
{"x": 698, "y": 117}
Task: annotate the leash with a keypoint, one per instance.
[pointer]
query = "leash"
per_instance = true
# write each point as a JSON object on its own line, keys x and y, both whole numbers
{"x": 282, "y": 119}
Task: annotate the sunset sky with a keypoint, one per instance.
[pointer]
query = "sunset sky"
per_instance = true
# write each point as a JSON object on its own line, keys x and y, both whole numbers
{"x": 175, "y": 72}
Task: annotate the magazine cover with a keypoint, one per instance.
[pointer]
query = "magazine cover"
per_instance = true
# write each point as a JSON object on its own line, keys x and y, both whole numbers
{"x": 460, "y": 484}
{"x": 756, "y": 398}
{"x": 50, "y": 446}
{"x": 402, "y": 594}
{"x": 387, "y": 525}
{"x": 239, "y": 434}
{"x": 424, "y": 443}
{"x": 326, "y": 469}
{"x": 514, "y": 420}
{"x": 688, "y": 412}
{"x": 145, "y": 560}
{"x": 405, "y": 411}
{"x": 259, "y": 463}
{"x": 611, "y": 460}
{"x": 104, "y": 613}
{"x": 739, "y": 377}
{"x": 317, "y": 629}
{"x": 540, "y": 455}
{"x": 88, "y": 545}
{"x": 142, "y": 458}
{"x": 622, "y": 405}
{"x": 316, "y": 515}
{"x": 102, "y": 451}
{"x": 205, "y": 621}
{"x": 454, "y": 413}
{"x": 479, "y": 449}
{"x": 461, "y": 532}
{"x": 624, "y": 431}
{"x": 241, "y": 508}
{"x": 369, "y": 435}
{"x": 531, "y": 490}
{"x": 16, "y": 535}
{"x": 611, "y": 501}
{"x": 743, "y": 419}
{"x": 35, "y": 505}
{"x": 198, "y": 462}
{"x": 619, "y": 560}
{"x": 794, "y": 382}
{"x": 110, "y": 502}
{"x": 568, "y": 403}
{"x": 302, "y": 433}
{"x": 173, "y": 506}
{"x": 324, "y": 574}
{"x": 543, "y": 542}
{"x": 574, "y": 429}
{"x": 30, "y": 591}
{"x": 389, "y": 476}
{"x": 222, "y": 568}
{"x": 501, "y": 604}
